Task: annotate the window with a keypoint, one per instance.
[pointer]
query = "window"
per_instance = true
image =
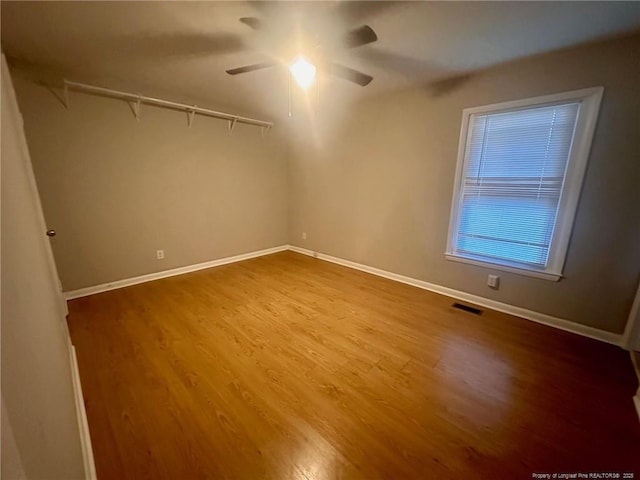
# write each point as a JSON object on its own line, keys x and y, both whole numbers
{"x": 518, "y": 179}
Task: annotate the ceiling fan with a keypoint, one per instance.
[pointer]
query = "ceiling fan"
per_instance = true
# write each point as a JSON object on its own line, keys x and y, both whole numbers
{"x": 303, "y": 69}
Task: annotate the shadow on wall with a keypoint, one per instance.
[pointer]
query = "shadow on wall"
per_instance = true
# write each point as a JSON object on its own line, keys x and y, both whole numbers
{"x": 332, "y": 118}
{"x": 447, "y": 85}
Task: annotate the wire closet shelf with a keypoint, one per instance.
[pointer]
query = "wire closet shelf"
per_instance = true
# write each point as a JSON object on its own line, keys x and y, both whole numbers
{"x": 137, "y": 100}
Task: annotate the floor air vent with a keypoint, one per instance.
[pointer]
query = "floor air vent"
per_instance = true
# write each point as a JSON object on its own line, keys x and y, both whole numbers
{"x": 467, "y": 308}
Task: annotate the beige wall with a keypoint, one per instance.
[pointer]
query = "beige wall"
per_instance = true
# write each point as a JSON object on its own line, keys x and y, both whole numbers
{"x": 371, "y": 184}
{"x": 116, "y": 189}
{"x": 374, "y": 186}
{"x": 40, "y": 432}
{"x": 10, "y": 461}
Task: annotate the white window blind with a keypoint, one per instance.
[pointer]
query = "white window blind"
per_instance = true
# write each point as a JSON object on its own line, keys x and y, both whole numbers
{"x": 520, "y": 169}
{"x": 513, "y": 178}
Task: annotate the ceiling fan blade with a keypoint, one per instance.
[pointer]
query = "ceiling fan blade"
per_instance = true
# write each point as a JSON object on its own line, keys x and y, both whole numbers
{"x": 359, "y": 36}
{"x": 250, "y": 68}
{"x": 252, "y": 22}
{"x": 350, "y": 74}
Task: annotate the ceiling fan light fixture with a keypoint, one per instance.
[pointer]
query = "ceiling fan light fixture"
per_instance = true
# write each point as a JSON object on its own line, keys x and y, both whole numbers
{"x": 303, "y": 71}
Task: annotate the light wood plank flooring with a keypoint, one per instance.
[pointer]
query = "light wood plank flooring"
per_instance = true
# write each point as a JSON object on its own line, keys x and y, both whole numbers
{"x": 288, "y": 367}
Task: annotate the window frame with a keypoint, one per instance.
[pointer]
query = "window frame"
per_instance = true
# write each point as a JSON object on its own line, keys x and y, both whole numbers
{"x": 589, "y": 99}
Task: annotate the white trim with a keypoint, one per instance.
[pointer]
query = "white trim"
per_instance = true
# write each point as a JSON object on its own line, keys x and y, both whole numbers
{"x": 540, "y": 100}
{"x": 542, "y": 318}
{"x": 559, "y": 323}
{"x": 631, "y": 336}
{"x": 105, "y": 287}
{"x": 83, "y": 425}
{"x": 495, "y": 266}
{"x": 590, "y": 99}
{"x": 537, "y": 317}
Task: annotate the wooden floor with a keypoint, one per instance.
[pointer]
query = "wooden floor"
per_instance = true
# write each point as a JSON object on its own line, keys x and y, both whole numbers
{"x": 288, "y": 367}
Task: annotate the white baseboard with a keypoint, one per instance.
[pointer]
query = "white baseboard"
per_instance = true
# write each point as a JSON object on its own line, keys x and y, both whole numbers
{"x": 560, "y": 323}
{"x": 542, "y": 318}
{"x": 105, "y": 287}
{"x": 83, "y": 425}
{"x": 631, "y": 336}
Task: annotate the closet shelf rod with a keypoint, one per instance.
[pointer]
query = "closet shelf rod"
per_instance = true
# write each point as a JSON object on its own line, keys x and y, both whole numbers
{"x": 165, "y": 103}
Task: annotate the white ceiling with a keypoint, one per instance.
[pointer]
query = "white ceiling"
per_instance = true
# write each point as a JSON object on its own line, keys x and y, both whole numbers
{"x": 181, "y": 50}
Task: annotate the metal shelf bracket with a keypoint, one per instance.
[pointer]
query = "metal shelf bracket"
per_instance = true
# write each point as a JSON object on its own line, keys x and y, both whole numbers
{"x": 190, "y": 114}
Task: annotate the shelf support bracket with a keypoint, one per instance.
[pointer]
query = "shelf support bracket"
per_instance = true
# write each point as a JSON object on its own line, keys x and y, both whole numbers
{"x": 65, "y": 95}
{"x": 232, "y": 124}
{"x": 135, "y": 106}
{"x": 190, "y": 114}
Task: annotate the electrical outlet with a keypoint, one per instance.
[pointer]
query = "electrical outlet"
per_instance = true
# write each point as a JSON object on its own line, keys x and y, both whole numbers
{"x": 493, "y": 281}
{"x": 304, "y": 235}
{"x": 160, "y": 254}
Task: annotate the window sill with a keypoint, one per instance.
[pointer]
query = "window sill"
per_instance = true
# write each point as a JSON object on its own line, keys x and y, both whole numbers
{"x": 554, "y": 277}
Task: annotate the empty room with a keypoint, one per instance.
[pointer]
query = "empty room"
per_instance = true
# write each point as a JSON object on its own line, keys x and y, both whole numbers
{"x": 320, "y": 240}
